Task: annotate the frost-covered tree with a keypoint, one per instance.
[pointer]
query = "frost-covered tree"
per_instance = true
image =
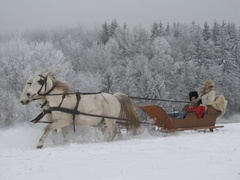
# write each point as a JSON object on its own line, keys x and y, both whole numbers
{"x": 162, "y": 63}
{"x": 124, "y": 39}
{"x": 115, "y": 71}
{"x": 196, "y": 49}
{"x": 136, "y": 73}
{"x": 140, "y": 43}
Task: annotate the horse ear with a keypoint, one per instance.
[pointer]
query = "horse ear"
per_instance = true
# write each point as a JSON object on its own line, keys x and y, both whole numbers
{"x": 45, "y": 74}
{"x": 30, "y": 78}
{"x": 48, "y": 73}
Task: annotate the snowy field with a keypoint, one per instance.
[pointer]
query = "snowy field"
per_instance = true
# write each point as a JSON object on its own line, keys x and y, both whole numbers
{"x": 189, "y": 155}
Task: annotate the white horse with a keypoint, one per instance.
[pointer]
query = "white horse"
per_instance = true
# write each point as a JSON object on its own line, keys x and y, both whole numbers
{"x": 43, "y": 102}
{"x": 45, "y": 106}
{"x": 82, "y": 109}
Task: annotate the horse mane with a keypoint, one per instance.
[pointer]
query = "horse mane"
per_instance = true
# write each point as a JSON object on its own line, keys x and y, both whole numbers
{"x": 58, "y": 84}
{"x": 63, "y": 86}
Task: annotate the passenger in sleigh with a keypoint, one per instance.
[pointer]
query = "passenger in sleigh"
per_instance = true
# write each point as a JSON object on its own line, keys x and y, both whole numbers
{"x": 207, "y": 97}
{"x": 199, "y": 105}
{"x": 208, "y": 94}
{"x": 194, "y": 102}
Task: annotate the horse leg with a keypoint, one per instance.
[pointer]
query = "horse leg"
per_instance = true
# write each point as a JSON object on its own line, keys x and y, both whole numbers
{"x": 54, "y": 132}
{"x": 119, "y": 133}
{"x": 102, "y": 127}
{"x": 43, "y": 137}
{"x": 65, "y": 132}
{"x": 112, "y": 128}
{"x": 55, "y": 125}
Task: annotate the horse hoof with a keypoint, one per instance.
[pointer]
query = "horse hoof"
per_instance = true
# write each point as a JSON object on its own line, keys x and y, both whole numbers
{"x": 39, "y": 147}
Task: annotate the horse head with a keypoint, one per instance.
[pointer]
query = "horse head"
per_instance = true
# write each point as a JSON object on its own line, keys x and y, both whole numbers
{"x": 23, "y": 97}
{"x": 41, "y": 85}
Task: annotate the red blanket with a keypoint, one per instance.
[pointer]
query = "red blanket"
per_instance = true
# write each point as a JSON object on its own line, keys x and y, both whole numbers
{"x": 200, "y": 110}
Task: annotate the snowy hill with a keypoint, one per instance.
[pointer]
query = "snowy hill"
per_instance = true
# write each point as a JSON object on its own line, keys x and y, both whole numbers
{"x": 174, "y": 156}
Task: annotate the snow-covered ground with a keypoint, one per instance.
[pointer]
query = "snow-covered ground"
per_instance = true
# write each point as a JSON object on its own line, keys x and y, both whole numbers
{"x": 189, "y": 155}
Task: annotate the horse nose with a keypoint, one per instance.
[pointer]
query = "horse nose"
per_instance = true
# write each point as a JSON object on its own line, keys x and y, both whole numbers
{"x": 28, "y": 94}
{"x": 24, "y": 102}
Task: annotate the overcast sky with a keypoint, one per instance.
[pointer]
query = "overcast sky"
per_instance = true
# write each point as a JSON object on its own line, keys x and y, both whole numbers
{"x": 22, "y": 15}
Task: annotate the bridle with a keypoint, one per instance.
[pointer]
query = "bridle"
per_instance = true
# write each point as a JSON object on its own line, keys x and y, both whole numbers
{"x": 43, "y": 83}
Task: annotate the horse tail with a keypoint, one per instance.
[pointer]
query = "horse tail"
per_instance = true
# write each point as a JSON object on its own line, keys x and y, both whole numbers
{"x": 128, "y": 111}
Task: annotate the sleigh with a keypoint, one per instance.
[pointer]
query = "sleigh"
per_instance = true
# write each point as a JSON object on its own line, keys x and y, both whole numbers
{"x": 190, "y": 122}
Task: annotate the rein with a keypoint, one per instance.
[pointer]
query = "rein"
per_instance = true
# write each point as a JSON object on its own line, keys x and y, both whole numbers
{"x": 152, "y": 99}
{"x": 71, "y": 93}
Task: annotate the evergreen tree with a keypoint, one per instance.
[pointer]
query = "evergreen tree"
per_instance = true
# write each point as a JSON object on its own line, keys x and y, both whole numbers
{"x": 154, "y": 30}
{"x": 167, "y": 30}
{"x": 206, "y": 32}
{"x": 196, "y": 50}
{"x": 105, "y": 33}
{"x": 112, "y": 28}
{"x": 215, "y": 33}
{"x": 176, "y": 30}
{"x": 217, "y": 43}
{"x": 161, "y": 32}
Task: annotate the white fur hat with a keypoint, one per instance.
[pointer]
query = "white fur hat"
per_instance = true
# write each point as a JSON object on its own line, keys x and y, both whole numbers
{"x": 209, "y": 83}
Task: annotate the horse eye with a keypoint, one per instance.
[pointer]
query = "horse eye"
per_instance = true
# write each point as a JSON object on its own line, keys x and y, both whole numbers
{"x": 41, "y": 81}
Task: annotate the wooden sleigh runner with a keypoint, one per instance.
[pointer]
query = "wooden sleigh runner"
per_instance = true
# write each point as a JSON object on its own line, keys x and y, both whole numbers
{"x": 190, "y": 122}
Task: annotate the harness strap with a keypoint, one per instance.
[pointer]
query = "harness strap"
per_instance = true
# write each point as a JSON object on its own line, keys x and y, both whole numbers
{"x": 39, "y": 117}
{"x": 73, "y": 111}
{"x": 63, "y": 97}
{"x": 104, "y": 98}
{"x": 44, "y": 104}
{"x": 47, "y": 93}
{"x": 78, "y": 96}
